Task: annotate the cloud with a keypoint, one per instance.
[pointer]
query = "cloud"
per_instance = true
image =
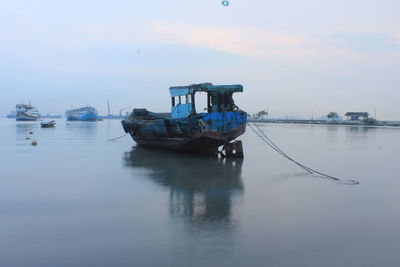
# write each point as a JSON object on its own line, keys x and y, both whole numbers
{"x": 368, "y": 43}
{"x": 253, "y": 42}
{"x": 249, "y": 41}
{"x": 242, "y": 41}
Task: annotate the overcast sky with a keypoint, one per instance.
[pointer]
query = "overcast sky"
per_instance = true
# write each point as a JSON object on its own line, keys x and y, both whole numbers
{"x": 293, "y": 57}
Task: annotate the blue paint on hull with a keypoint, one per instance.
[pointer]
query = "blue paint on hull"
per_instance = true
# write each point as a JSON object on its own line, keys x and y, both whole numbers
{"x": 22, "y": 116}
{"x": 90, "y": 116}
{"x": 224, "y": 122}
{"x": 203, "y": 132}
{"x": 26, "y": 119}
{"x": 12, "y": 116}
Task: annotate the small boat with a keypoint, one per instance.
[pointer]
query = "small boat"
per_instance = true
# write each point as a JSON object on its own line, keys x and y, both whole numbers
{"x": 186, "y": 130}
{"x": 49, "y": 124}
{"x": 26, "y": 113}
{"x": 82, "y": 114}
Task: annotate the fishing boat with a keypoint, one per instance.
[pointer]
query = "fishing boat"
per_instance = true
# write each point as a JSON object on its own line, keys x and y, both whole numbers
{"x": 12, "y": 115}
{"x": 49, "y": 124}
{"x": 86, "y": 113}
{"x": 184, "y": 129}
{"x": 26, "y": 112}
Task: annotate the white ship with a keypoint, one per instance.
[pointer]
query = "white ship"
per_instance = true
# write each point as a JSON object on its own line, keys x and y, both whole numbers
{"x": 26, "y": 113}
{"x": 82, "y": 114}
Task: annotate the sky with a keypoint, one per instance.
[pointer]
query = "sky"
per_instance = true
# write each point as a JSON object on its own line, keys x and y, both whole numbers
{"x": 294, "y": 58}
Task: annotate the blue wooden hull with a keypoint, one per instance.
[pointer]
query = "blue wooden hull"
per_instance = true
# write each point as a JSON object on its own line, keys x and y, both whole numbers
{"x": 90, "y": 116}
{"x": 201, "y": 133}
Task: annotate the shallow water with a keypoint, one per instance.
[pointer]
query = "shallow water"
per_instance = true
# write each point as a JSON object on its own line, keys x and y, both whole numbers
{"x": 77, "y": 199}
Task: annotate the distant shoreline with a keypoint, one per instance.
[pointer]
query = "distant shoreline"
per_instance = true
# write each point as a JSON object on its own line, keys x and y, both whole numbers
{"x": 325, "y": 122}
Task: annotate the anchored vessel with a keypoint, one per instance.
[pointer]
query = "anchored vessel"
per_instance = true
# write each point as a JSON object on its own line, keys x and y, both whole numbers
{"x": 49, "y": 124}
{"x": 26, "y": 113}
{"x": 185, "y": 129}
{"x": 82, "y": 114}
{"x": 12, "y": 115}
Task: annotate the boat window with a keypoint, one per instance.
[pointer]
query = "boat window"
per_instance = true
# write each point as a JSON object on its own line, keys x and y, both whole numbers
{"x": 212, "y": 102}
{"x": 178, "y": 100}
{"x": 201, "y": 102}
{"x": 227, "y": 102}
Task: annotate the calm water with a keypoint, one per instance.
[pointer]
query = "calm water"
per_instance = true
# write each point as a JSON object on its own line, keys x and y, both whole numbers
{"x": 77, "y": 199}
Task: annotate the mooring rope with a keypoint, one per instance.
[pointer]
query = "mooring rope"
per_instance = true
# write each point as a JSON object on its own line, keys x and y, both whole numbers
{"x": 119, "y": 137}
{"x": 269, "y": 142}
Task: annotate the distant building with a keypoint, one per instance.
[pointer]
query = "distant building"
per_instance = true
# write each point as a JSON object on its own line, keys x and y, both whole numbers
{"x": 356, "y": 116}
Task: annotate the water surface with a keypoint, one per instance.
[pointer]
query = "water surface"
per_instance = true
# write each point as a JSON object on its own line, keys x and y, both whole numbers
{"x": 77, "y": 199}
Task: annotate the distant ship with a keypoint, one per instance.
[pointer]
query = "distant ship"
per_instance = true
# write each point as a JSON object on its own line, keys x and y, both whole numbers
{"x": 12, "y": 115}
{"x": 26, "y": 113}
{"x": 82, "y": 114}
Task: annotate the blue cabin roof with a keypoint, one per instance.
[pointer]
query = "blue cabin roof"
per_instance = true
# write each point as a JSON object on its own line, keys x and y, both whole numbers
{"x": 204, "y": 87}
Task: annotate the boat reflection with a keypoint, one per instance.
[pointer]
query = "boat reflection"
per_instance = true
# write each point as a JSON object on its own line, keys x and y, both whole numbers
{"x": 25, "y": 129}
{"x": 85, "y": 129}
{"x": 201, "y": 188}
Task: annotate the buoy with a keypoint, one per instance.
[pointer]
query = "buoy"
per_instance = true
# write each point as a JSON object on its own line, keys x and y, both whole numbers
{"x": 34, "y": 143}
{"x": 30, "y": 132}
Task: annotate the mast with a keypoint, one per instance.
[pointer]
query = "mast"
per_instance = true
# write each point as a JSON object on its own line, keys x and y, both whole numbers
{"x": 108, "y": 104}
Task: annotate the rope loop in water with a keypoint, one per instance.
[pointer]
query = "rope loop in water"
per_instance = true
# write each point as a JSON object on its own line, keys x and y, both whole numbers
{"x": 269, "y": 142}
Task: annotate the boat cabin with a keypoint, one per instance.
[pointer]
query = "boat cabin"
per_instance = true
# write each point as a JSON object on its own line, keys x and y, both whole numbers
{"x": 219, "y": 98}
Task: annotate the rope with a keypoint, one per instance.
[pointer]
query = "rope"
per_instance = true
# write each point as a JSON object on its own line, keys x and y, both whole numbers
{"x": 119, "y": 137}
{"x": 269, "y": 142}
